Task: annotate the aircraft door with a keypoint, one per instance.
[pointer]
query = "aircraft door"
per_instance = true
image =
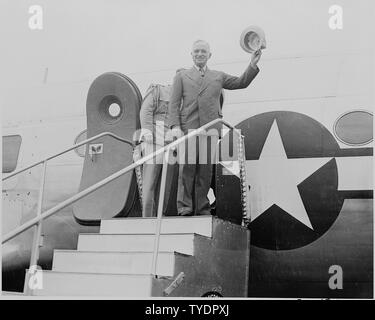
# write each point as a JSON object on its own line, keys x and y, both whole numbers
{"x": 230, "y": 189}
{"x": 113, "y": 104}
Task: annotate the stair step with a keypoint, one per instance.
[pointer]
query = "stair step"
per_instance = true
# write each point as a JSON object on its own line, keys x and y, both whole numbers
{"x": 182, "y": 243}
{"x": 196, "y": 224}
{"x": 112, "y": 262}
{"x": 94, "y": 284}
{"x": 12, "y": 293}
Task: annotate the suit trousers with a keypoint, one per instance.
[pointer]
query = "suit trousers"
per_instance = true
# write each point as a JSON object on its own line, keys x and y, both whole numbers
{"x": 195, "y": 173}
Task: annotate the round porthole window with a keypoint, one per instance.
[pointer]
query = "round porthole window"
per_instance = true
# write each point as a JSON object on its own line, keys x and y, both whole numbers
{"x": 82, "y": 149}
{"x": 111, "y": 109}
{"x": 354, "y": 128}
{"x": 114, "y": 110}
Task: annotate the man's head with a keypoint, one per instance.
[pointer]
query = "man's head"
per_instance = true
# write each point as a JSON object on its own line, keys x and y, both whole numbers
{"x": 200, "y": 53}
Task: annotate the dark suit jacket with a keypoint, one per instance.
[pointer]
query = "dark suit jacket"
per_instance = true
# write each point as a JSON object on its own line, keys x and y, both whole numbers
{"x": 200, "y": 96}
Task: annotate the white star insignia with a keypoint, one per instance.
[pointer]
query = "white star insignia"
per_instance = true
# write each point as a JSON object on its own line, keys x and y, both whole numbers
{"x": 273, "y": 179}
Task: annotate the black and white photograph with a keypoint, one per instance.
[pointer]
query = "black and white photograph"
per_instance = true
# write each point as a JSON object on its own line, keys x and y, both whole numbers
{"x": 201, "y": 149}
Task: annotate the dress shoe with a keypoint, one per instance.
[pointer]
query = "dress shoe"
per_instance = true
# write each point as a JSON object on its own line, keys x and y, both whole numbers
{"x": 204, "y": 213}
{"x": 185, "y": 213}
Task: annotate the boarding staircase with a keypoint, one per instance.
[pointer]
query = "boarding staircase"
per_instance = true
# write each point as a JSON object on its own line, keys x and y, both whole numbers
{"x": 197, "y": 256}
{"x": 148, "y": 257}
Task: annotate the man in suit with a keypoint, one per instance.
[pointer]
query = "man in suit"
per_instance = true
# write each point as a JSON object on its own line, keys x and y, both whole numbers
{"x": 195, "y": 101}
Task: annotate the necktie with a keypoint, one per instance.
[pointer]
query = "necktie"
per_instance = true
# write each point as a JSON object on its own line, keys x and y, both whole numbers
{"x": 201, "y": 72}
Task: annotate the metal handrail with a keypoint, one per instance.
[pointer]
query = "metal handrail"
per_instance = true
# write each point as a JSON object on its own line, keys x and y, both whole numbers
{"x": 103, "y": 182}
{"x": 67, "y": 150}
{"x": 38, "y": 225}
{"x": 165, "y": 150}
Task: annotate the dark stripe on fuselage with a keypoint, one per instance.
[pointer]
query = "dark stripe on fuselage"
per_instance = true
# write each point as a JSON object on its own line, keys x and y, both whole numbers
{"x": 352, "y": 152}
{"x": 357, "y": 194}
{"x": 355, "y": 152}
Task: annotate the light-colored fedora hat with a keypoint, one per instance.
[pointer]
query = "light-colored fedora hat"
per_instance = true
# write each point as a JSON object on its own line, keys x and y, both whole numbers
{"x": 253, "y": 39}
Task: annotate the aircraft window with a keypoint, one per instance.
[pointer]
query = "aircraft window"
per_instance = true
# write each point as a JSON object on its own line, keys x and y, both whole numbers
{"x": 11, "y": 149}
{"x": 82, "y": 149}
{"x": 354, "y": 128}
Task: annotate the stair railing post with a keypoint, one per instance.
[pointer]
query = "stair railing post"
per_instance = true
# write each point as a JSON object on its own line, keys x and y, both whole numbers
{"x": 28, "y": 290}
{"x": 160, "y": 211}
